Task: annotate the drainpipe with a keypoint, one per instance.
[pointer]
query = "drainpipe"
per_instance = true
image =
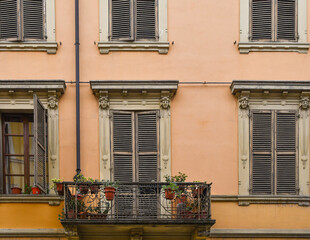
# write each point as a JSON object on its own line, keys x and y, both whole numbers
{"x": 77, "y": 84}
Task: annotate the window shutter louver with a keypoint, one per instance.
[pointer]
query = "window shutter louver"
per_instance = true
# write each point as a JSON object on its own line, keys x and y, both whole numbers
{"x": 286, "y": 153}
{"x": 262, "y": 153}
{"x": 33, "y": 19}
{"x": 146, "y": 19}
{"x": 286, "y": 19}
{"x": 122, "y": 15}
{"x": 8, "y": 20}
{"x": 261, "y": 20}
{"x": 40, "y": 133}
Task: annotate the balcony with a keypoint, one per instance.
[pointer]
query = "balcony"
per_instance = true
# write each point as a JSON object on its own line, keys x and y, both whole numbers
{"x": 143, "y": 206}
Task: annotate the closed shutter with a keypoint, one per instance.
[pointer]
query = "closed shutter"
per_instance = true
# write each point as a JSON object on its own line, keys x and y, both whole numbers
{"x": 33, "y": 19}
{"x": 286, "y": 20}
{"x": 286, "y": 153}
{"x": 122, "y": 15}
{"x": 122, "y": 145}
{"x": 8, "y": 20}
{"x": 262, "y": 153}
{"x": 40, "y": 133}
{"x": 146, "y": 18}
{"x": 261, "y": 20}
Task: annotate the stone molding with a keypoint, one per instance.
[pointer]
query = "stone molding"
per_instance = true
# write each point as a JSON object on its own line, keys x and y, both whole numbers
{"x": 49, "y": 47}
{"x": 160, "y": 47}
{"x": 246, "y": 47}
{"x": 32, "y": 232}
{"x": 52, "y": 200}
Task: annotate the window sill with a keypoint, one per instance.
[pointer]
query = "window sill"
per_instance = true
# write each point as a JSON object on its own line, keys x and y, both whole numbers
{"x": 160, "y": 47}
{"x": 52, "y": 200}
{"x": 49, "y": 47}
{"x": 246, "y": 47}
{"x": 263, "y": 199}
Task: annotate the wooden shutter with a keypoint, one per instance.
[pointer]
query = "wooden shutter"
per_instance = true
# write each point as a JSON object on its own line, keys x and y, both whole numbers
{"x": 40, "y": 155}
{"x": 122, "y": 20}
{"x": 8, "y": 20}
{"x": 146, "y": 19}
{"x": 33, "y": 19}
{"x": 286, "y": 19}
{"x": 261, "y": 20}
{"x": 286, "y": 153}
{"x": 262, "y": 153}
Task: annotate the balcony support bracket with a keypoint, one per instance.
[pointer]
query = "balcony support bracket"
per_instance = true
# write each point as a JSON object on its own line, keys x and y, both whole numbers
{"x": 71, "y": 232}
{"x": 136, "y": 234}
{"x": 200, "y": 233}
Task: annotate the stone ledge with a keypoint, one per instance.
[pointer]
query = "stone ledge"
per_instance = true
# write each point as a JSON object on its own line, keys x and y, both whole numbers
{"x": 49, "y": 47}
{"x": 52, "y": 200}
{"x": 247, "y": 200}
{"x": 160, "y": 47}
{"x": 49, "y": 232}
{"x": 260, "y": 233}
{"x": 246, "y": 47}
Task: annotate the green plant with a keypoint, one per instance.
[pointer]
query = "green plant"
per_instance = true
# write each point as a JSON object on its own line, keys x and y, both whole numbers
{"x": 56, "y": 180}
{"x": 79, "y": 205}
{"x": 180, "y": 177}
{"x": 110, "y": 184}
{"x": 172, "y": 186}
{"x": 28, "y": 189}
{"x": 80, "y": 178}
{"x": 61, "y": 216}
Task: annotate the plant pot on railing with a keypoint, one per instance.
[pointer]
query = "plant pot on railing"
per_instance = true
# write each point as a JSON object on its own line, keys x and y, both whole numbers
{"x": 94, "y": 188}
{"x": 83, "y": 188}
{"x": 109, "y": 193}
{"x": 16, "y": 190}
{"x": 36, "y": 190}
{"x": 60, "y": 189}
{"x": 169, "y": 194}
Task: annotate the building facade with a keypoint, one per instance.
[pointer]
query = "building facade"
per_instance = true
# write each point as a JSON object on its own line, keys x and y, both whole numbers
{"x": 218, "y": 90}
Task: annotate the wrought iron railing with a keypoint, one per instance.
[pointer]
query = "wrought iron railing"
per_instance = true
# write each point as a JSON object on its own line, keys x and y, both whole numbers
{"x": 134, "y": 202}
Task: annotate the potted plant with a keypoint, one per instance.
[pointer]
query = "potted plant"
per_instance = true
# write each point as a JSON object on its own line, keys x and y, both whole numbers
{"x": 97, "y": 213}
{"x": 82, "y": 183}
{"x": 16, "y": 190}
{"x": 170, "y": 190}
{"x": 94, "y": 185}
{"x": 28, "y": 189}
{"x": 58, "y": 186}
{"x": 36, "y": 190}
{"x": 74, "y": 207}
{"x": 109, "y": 189}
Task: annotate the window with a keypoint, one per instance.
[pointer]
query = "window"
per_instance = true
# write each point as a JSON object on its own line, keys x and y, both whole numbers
{"x": 133, "y": 25}
{"x": 273, "y": 152}
{"x": 273, "y": 25}
{"x": 273, "y": 139}
{"x": 25, "y": 149}
{"x": 27, "y": 25}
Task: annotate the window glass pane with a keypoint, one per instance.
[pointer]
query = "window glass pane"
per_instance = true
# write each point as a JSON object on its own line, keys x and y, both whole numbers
{"x": 14, "y": 182}
{"x": 14, "y": 145}
{"x": 31, "y": 164}
{"x": 14, "y": 165}
{"x": 31, "y": 127}
{"x": 31, "y": 145}
{"x": 14, "y": 128}
{"x": 31, "y": 181}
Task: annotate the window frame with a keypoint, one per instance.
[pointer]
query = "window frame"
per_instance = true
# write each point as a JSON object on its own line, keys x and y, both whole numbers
{"x": 105, "y": 44}
{"x": 47, "y": 44}
{"x": 246, "y": 44}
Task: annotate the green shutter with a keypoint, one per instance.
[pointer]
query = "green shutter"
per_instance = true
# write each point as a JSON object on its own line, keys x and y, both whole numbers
{"x": 8, "y": 20}
{"x": 262, "y": 153}
{"x": 40, "y": 140}
{"x": 146, "y": 18}
{"x": 286, "y": 20}
{"x": 122, "y": 15}
{"x": 286, "y": 153}
{"x": 261, "y": 20}
{"x": 33, "y": 19}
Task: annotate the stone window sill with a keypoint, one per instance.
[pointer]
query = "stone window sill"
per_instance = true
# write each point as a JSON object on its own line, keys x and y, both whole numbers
{"x": 52, "y": 200}
{"x": 160, "y": 47}
{"x": 263, "y": 199}
{"x": 49, "y": 47}
{"x": 246, "y": 47}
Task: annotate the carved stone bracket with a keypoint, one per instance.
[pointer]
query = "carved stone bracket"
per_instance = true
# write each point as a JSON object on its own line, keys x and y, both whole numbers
{"x": 244, "y": 103}
{"x": 304, "y": 103}
{"x": 104, "y": 102}
{"x": 52, "y": 102}
{"x": 165, "y": 102}
{"x": 71, "y": 232}
{"x": 136, "y": 234}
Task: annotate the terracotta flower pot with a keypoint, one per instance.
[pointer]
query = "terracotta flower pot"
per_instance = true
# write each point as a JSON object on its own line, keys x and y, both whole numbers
{"x": 94, "y": 189}
{"x": 83, "y": 188}
{"x": 109, "y": 193}
{"x": 16, "y": 190}
{"x": 60, "y": 189}
{"x": 71, "y": 214}
{"x": 36, "y": 190}
{"x": 169, "y": 194}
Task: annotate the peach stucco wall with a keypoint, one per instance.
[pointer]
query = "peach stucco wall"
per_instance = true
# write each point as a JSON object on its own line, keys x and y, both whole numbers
{"x": 204, "y": 117}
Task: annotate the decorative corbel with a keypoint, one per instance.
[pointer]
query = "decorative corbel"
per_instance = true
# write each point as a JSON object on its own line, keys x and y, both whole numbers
{"x": 244, "y": 103}
{"x": 165, "y": 102}
{"x": 304, "y": 103}
{"x": 52, "y": 102}
{"x": 136, "y": 234}
{"x": 104, "y": 102}
{"x": 71, "y": 232}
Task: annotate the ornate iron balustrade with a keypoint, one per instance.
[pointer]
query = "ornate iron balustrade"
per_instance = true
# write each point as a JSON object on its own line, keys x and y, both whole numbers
{"x": 137, "y": 203}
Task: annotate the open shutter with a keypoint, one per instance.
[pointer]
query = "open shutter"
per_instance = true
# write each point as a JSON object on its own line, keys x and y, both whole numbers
{"x": 122, "y": 16}
{"x": 122, "y": 145}
{"x": 146, "y": 18}
{"x": 286, "y": 153}
{"x": 33, "y": 19}
{"x": 262, "y": 153}
{"x": 261, "y": 20}
{"x": 8, "y": 20}
{"x": 40, "y": 133}
{"x": 286, "y": 19}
